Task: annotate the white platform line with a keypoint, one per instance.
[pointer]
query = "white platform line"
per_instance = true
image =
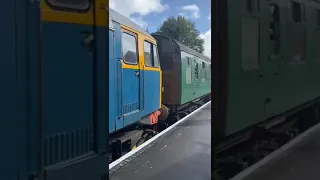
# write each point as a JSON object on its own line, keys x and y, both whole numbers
{"x": 114, "y": 163}
{"x": 275, "y": 153}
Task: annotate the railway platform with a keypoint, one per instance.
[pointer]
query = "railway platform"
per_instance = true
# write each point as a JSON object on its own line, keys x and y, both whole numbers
{"x": 299, "y": 159}
{"x": 183, "y": 152}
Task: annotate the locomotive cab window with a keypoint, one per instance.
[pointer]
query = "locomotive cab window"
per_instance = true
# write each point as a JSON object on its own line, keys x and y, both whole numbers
{"x": 129, "y": 48}
{"x": 150, "y": 55}
{"x": 70, "y": 4}
{"x": 155, "y": 56}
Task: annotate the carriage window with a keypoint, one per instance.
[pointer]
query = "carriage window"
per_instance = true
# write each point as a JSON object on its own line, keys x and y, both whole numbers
{"x": 196, "y": 71}
{"x": 318, "y": 17}
{"x": 209, "y": 72}
{"x": 129, "y": 49}
{"x": 297, "y": 34}
{"x": 70, "y": 4}
{"x": 204, "y": 73}
{"x": 296, "y": 12}
{"x": 251, "y": 6}
{"x": 274, "y": 29}
{"x": 250, "y": 50}
{"x": 155, "y": 57}
{"x": 148, "y": 54}
{"x": 188, "y": 61}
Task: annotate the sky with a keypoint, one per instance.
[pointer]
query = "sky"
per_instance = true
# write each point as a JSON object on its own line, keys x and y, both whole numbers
{"x": 151, "y": 13}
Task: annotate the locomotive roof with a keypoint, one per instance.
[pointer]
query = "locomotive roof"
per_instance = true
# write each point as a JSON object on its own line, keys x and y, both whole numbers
{"x": 185, "y": 48}
{"x": 117, "y": 17}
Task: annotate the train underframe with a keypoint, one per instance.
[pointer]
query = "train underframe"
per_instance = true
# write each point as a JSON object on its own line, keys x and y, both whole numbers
{"x": 236, "y": 153}
{"x": 131, "y": 137}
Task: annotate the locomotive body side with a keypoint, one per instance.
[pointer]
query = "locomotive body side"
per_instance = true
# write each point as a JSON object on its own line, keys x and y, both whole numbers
{"x": 73, "y": 98}
{"x": 58, "y": 129}
{"x": 136, "y": 76}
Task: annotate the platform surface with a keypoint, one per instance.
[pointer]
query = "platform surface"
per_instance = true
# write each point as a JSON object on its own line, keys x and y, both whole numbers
{"x": 184, "y": 152}
{"x": 300, "y": 162}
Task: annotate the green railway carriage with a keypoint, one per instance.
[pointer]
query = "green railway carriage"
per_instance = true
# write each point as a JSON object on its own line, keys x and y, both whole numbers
{"x": 267, "y": 62}
{"x": 186, "y": 74}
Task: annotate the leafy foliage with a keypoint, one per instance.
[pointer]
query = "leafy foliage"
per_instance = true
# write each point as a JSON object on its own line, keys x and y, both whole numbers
{"x": 183, "y": 30}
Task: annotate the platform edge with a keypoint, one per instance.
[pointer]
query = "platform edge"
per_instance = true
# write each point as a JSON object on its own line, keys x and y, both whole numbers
{"x": 116, "y": 162}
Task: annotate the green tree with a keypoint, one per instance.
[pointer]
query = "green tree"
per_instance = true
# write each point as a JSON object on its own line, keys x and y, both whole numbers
{"x": 183, "y": 30}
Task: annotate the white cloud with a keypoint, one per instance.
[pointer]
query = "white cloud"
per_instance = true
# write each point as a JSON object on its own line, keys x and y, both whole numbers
{"x": 140, "y": 7}
{"x": 140, "y": 22}
{"x": 209, "y": 17}
{"x": 193, "y": 9}
{"x": 207, "y": 42}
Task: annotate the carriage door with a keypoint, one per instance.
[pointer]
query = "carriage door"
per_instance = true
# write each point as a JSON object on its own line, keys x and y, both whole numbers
{"x": 130, "y": 76}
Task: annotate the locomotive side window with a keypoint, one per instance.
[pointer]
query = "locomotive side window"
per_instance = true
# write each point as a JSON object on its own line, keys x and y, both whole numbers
{"x": 147, "y": 54}
{"x": 155, "y": 56}
{"x": 129, "y": 49}
{"x": 151, "y": 55}
{"x": 70, "y": 4}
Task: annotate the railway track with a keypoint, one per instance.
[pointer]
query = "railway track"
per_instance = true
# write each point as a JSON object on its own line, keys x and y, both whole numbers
{"x": 172, "y": 119}
{"x": 230, "y": 162}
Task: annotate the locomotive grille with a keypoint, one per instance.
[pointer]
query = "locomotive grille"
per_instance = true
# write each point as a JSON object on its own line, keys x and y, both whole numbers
{"x": 130, "y": 107}
{"x": 68, "y": 145}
